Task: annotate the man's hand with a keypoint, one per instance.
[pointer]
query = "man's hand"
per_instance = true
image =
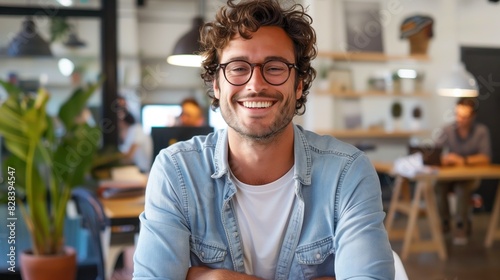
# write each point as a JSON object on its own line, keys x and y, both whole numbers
{"x": 453, "y": 159}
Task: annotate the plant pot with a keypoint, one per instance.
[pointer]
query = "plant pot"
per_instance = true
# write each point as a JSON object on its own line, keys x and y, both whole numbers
{"x": 61, "y": 267}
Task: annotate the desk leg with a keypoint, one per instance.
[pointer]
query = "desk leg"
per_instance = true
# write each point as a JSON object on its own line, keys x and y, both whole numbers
{"x": 398, "y": 183}
{"x": 412, "y": 221}
{"x": 434, "y": 220}
{"x": 492, "y": 228}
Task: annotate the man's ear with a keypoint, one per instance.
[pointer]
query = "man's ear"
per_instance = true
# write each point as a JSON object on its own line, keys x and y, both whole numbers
{"x": 299, "y": 90}
{"x": 215, "y": 86}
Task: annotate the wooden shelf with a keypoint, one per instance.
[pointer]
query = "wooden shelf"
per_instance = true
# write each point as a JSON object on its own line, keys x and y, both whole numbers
{"x": 372, "y": 93}
{"x": 371, "y": 133}
{"x": 370, "y": 56}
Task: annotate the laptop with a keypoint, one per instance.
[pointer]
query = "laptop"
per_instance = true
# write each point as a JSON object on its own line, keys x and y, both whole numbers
{"x": 166, "y": 136}
{"x": 430, "y": 155}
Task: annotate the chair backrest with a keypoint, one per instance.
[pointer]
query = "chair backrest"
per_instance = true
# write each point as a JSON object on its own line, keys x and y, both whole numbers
{"x": 94, "y": 220}
{"x": 400, "y": 269}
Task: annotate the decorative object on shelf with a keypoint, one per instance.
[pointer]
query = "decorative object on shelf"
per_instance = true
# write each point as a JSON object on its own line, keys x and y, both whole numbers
{"x": 458, "y": 83}
{"x": 323, "y": 81}
{"x": 351, "y": 112}
{"x": 379, "y": 82}
{"x": 407, "y": 81}
{"x": 396, "y": 83}
{"x": 340, "y": 80}
{"x": 28, "y": 42}
{"x": 47, "y": 165}
{"x": 418, "y": 30}
{"x": 363, "y": 26}
{"x": 396, "y": 110}
{"x": 417, "y": 118}
{"x": 396, "y": 113}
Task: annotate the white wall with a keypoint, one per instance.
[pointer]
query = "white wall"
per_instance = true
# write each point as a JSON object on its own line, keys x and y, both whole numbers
{"x": 149, "y": 33}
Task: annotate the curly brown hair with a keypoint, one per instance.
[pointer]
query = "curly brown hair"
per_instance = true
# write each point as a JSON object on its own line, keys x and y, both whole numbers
{"x": 245, "y": 18}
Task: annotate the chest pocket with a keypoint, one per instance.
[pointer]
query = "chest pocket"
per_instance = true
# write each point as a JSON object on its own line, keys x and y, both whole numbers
{"x": 315, "y": 253}
{"x": 208, "y": 252}
{"x": 314, "y": 260}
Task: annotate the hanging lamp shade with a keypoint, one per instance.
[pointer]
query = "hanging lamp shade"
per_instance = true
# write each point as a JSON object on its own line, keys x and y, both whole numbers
{"x": 73, "y": 41}
{"x": 459, "y": 83}
{"x": 186, "y": 49}
{"x": 28, "y": 42}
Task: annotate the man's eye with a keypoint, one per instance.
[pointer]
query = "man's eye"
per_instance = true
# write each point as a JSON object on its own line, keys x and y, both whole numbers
{"x": 238, "y": 69}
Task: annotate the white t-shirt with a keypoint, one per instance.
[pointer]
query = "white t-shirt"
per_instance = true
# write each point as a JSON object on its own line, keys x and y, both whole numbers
{"x": 143, "y": 154}
{"x": 263, "y": 212}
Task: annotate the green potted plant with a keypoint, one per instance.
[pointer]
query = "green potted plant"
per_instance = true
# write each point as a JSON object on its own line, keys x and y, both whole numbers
{"x": 47, "y": 165}
{"x": 396, "y": 113}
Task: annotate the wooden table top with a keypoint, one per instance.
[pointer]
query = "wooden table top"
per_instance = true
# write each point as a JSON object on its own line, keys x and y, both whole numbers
{"x": 491, "y": 171}
{"x": 123, "y": 207}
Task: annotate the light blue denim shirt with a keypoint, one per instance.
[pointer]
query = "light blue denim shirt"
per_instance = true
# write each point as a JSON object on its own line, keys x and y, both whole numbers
{"x": 335, "y": 229}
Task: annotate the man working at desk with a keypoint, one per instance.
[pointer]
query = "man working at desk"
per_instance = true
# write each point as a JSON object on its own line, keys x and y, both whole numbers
{"x": 262, "y": 199}
{"x": 468, "y": 143}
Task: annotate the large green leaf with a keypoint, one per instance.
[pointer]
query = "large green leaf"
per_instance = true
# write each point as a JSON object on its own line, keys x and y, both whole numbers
{"x": 75, "y": 104}
{"x": 74, "y": 156}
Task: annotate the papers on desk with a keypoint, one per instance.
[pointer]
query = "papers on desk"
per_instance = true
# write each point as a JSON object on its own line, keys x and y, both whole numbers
{"x": 411, "y": 165}
{"x": 120, "y": 189}
{"x": 125, "y": 181}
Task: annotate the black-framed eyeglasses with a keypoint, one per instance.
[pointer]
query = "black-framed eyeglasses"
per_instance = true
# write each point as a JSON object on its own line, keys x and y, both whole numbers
{"x": 239, "y": 72}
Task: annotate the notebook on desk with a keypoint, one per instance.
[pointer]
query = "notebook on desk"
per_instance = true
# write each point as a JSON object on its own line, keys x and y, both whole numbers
{"x": 430, "y": 155}
{"x": 166, "y": 136}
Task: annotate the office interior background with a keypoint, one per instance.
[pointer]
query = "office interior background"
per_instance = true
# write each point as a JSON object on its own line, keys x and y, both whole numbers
{"x": 147, "y": 30}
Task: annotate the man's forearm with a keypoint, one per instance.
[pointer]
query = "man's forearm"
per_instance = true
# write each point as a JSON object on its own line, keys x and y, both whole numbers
{"x": 205, "y": 273}
{"x": 478, "y": 159}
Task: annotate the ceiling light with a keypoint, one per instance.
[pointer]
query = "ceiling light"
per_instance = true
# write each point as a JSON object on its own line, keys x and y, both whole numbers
{"x": 459, "y": 83}
{"x": 73, "y": 41}
{"x": 66, "y": 66}
{"x": 187, "y": 48}
{"x": 28, "y": 42}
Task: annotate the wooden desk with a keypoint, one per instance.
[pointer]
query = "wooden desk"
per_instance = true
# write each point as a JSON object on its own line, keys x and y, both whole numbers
{"x": 120, "y": 208}
{"x": 123, "y": 214}
{"x": 424, "y": 192}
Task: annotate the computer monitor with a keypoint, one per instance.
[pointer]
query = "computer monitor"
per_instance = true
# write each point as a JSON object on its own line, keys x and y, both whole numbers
{"x": 166, "y": 136}
{"x": 431, "y": 155}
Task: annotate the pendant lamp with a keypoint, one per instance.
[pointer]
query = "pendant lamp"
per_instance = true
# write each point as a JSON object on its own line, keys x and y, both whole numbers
{"x": 73, "y": 41}
{"x": 28, "y": 42}
{"x": 186, "y": 49}
{"x": 458, "y": 83}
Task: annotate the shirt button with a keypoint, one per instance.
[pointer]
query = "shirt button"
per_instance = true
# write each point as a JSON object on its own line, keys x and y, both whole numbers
{"x": 203, "y": 254}
{"x": 318, "y": 256}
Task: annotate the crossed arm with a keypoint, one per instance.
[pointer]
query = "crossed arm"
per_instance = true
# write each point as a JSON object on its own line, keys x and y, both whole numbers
{"x": 205, "y": 273}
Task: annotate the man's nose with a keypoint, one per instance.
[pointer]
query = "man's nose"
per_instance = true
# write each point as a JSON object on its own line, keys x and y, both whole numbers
{"x": 257, "y": 81}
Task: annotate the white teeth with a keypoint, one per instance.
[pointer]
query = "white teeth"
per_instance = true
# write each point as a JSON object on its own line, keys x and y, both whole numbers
{"x": 260, "y": 104}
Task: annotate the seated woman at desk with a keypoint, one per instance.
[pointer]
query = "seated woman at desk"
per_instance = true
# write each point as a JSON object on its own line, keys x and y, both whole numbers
{"x": 136, "y": 145}
{"x": 468, "y": 143}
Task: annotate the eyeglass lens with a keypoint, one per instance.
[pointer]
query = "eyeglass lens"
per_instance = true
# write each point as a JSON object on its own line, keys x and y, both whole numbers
{"x": 274, "y": 72}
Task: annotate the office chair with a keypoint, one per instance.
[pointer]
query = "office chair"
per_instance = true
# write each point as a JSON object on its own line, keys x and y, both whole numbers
{"x": 95, "y": 221}
{"x": 399, "y": 268}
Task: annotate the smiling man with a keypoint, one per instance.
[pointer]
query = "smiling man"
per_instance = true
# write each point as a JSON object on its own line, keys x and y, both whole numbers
{"x": 264, "y": 198}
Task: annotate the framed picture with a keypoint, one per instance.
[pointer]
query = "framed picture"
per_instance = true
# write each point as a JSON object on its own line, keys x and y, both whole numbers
{"x": 363, "y": 26}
